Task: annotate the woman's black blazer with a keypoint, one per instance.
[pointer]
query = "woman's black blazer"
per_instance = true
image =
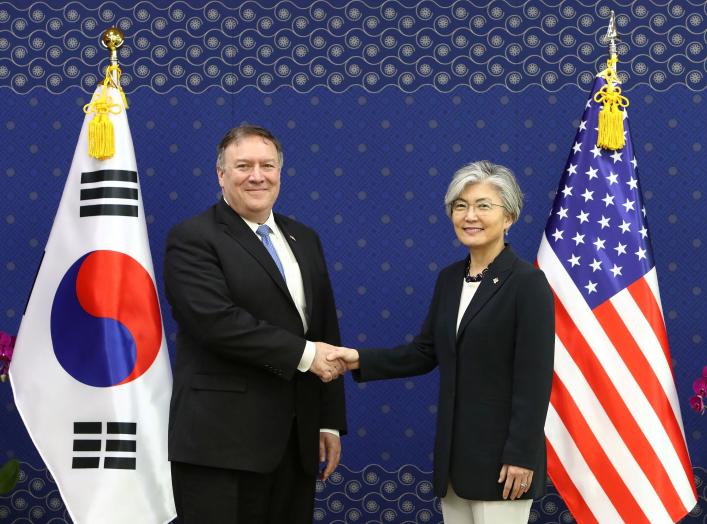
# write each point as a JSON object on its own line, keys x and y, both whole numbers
{"x": 495, "y": 375}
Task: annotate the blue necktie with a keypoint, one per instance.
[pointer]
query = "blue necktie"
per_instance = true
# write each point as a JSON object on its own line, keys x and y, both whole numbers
{"x": 263, "y": 232}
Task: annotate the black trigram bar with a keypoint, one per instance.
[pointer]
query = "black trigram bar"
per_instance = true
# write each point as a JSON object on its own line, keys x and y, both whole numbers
{"x": 108, "y": 209}
{"x": 87, "y": 445}
{"x": 108, "y": 175}
{"x": 121, "y": 445}
{"x": 123, "y": 428}
{"x": 129, "y": 193}
{"x": 88, "y": 427}
{"x": 85, "y": 462}
{"x": 119, "y": 463}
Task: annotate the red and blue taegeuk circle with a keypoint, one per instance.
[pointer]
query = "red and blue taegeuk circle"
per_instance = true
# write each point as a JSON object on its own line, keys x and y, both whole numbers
{"x": 105, "y": 322}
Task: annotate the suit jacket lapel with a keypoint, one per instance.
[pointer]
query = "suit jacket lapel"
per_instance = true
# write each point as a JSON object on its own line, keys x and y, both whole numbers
{"x": 239, "y": 230}
{"x": 493, "y": 281}
{"x": 303, "y": 259}
{"x": 450, "y": 307}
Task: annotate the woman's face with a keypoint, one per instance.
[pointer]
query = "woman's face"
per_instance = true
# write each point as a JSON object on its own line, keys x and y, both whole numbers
{"x": 479, "y": 217}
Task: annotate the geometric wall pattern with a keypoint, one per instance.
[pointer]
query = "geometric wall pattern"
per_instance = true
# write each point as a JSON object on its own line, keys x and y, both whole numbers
{"x": 367, "y": 166}
{"x": 303, "y": 45}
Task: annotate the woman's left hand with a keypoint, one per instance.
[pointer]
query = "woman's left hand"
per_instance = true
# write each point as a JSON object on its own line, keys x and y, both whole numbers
{"x": 517, "y": 481}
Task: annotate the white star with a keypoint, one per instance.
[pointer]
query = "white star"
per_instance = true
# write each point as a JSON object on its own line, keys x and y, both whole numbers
{"x": 592, "y": 173}
{"x": 633, "y": 161}
{"x": 643, "y": 210}
{"x": 596, "y": 152}
{"x": 562, "y": 213}
{"x": 608, "y": 200}
{"x": 641, "y": 253}
{"x": 577, "y": 147}
{"x": 604, "y": 222}
{"x": 632, "y": 183}
{"x": 589, "y": 103}
{"x": 625, "y": 227}
{"x": 588, "y": 195}
{"x": 572, "y": 169}
{"x": 567, "y": 191}
{"x": 612, "y": 178}
{"x": 583, "y": 125}
{"x": 557, "y": 234}
{"x": 628, "y": 205}
{"x": 574, "y": 260}
{"x": 596, "y": 265}
{"x": 583, "y": 217}
{"x": 616, "y": 270}
{"x": 620, "y": 249}
{"x": 591, "y": 287}
{"x": 616, "y": 156}
{"x": 643, "y": 231}
{"x": 578, "y": 239}
{"x": 599, "y": 243}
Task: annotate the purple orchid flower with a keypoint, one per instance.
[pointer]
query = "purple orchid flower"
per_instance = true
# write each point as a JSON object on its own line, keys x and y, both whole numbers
{"x": 7, "y": 344}
{"x": 697, "y": 404}
{"x": 700, "y": 386}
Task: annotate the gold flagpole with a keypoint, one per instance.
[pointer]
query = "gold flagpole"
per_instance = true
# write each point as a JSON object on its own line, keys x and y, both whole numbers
{"x": 101, "y": 137}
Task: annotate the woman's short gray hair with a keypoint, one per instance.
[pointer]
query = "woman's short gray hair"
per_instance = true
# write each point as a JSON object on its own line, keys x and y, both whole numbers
{"x": 484, "y": 171}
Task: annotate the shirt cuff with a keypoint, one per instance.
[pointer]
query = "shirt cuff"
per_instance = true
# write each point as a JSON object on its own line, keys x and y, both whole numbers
{"x": 310, "y": 350}
{"x": 332, "y": 431}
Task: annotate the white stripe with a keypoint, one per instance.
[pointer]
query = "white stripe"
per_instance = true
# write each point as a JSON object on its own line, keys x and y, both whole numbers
{"x": 573, "y": 462}
{"x": 616, "y": 369}
{"x": 642, "y": 332}
{"x": 103, "y": 201}
{"x": 109, "y": 183}
{"x": 608, "y": 437}
{"x": 652, "y": 280}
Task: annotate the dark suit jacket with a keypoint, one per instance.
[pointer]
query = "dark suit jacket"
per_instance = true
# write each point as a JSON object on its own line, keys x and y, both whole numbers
{"x": 236, "y": 385}
{"x": 495, "y": 375}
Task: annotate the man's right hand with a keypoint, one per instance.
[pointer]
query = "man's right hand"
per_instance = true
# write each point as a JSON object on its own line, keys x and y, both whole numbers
{"x": 326, "y": 369}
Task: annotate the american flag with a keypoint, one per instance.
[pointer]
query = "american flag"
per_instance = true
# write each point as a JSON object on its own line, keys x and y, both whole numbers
{"x": 616, "y": 444}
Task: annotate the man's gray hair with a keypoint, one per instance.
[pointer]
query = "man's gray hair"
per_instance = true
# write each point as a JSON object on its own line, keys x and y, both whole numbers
{"x": 484, "y": 171}
{"x": 243, "y": 131}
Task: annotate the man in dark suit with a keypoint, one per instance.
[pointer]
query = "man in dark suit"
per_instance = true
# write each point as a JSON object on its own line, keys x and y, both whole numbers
{"x": 250, "y": 291}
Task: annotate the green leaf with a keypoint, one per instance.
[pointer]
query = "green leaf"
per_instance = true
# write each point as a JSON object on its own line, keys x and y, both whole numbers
{"x": 8, "y": 476}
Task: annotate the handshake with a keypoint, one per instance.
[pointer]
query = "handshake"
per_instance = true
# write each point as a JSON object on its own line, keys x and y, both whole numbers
{"x": 330, "y": 362}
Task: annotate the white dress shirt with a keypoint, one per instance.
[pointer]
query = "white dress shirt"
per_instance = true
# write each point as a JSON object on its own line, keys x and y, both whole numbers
{"x": 468, "y": 291}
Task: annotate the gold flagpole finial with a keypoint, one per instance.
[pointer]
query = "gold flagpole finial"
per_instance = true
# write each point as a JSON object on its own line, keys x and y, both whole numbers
{"x": 101, "y": 137}
{"x": 611, "y": 117}
{"x": 112, "y": 39}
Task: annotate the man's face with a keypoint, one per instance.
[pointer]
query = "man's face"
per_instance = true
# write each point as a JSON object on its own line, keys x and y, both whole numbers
{"x": 250, "y": 178}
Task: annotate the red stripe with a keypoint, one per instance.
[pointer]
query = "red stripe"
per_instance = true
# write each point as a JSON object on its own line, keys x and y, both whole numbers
{"x": 567, "y": 489}
{"x": 617, "y": 411}
{"x": 644, "y": 298}
{"x": 594, "y": 455}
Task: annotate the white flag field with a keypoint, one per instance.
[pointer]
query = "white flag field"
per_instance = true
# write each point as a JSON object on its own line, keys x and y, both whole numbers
{"x": 91, "y": 373}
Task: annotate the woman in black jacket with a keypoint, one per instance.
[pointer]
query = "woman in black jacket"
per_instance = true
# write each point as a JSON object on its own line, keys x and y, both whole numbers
{"x": 490, "y": 329}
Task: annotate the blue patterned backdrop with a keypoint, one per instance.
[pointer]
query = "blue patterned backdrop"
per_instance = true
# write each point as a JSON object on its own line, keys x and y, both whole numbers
{"x": 376, "y": 104}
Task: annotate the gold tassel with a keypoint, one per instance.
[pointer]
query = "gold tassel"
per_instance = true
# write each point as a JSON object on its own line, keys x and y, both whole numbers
{"x": 101, "y": 136}
{"x": 611, "y": 117}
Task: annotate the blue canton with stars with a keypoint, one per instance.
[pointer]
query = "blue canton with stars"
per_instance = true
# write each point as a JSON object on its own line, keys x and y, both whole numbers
{"x": 598, "y": 224}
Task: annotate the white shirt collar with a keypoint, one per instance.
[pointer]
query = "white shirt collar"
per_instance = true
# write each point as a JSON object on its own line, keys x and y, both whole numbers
{"x": 254, "y": 225}
{"x": 269, "y": 222}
